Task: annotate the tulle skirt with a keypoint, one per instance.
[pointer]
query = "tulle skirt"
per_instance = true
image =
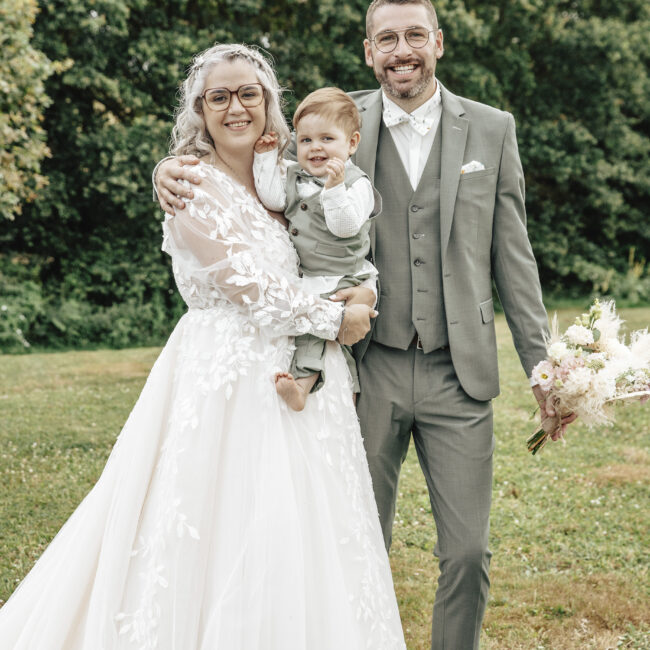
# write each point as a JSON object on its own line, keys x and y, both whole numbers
{"x": 222, "y": 520}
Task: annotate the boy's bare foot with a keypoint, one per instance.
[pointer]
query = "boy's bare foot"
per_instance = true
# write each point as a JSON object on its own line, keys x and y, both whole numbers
{"x": 290, "y": 391}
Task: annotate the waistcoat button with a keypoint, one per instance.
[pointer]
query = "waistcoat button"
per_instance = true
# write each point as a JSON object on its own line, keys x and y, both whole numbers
{"x": 418, "y": 262}
{"x": 294, "y": 231}
{"x": 415, "y": 208}
{"x": 417, "y": 235}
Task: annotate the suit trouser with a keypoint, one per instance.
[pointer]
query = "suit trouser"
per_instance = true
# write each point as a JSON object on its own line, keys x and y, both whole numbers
{"x": 407, "y": 392}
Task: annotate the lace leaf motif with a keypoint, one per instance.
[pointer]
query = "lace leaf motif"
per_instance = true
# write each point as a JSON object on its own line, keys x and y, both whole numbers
{"x": 226, "y": 248}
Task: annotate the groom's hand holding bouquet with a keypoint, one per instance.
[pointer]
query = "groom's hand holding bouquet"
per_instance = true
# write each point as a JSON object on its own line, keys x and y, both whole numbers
{"x": 588, "y": 370}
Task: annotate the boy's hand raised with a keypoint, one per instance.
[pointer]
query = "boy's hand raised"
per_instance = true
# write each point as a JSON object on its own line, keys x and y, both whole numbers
{"x": 335, "y": 172}
{"x": 267, "y": 142}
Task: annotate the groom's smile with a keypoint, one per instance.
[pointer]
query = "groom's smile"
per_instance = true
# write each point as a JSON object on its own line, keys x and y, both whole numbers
{"x": 403, "y": 72}
{"x": 402, "y": 69}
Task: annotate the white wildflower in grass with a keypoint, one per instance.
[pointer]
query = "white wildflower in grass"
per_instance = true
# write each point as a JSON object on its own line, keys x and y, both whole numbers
{"x": 579, "y": 335}
{"x": 544, "y": 374}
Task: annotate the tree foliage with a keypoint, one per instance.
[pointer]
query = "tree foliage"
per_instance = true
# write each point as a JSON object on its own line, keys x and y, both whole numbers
{"x": 575, "y": 75}
{"x": 23, "y": 70}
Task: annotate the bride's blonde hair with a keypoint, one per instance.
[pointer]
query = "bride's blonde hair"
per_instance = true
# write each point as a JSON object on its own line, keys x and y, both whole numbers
{"x": 189, "y": 135}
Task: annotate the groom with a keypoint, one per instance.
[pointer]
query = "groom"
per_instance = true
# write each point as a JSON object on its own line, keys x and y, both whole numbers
{"x": 453, "y": 221}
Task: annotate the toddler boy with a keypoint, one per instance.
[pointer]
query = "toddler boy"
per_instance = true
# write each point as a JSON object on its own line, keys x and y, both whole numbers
{"x": 328, "y": 202}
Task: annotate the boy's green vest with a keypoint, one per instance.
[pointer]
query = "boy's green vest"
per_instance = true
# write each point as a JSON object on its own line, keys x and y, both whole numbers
{"x": 320, "y": 251}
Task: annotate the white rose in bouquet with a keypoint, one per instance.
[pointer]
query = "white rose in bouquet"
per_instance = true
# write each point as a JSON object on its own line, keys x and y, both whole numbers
{"x": 558, "y": 351}
{"x": 579, "y": 335}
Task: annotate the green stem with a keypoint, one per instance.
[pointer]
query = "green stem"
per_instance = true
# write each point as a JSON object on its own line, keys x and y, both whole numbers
{"x": 537, "y": 441}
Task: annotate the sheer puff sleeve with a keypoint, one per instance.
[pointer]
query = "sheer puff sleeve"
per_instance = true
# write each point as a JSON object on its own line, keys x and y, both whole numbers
{"x": 225, "y": 247}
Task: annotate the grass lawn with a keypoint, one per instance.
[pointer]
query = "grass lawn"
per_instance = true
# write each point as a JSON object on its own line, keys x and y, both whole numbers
{"x": 570, "y": 527}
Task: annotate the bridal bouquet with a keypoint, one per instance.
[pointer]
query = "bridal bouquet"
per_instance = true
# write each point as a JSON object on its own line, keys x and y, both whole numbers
{"x": 589, "y": 369}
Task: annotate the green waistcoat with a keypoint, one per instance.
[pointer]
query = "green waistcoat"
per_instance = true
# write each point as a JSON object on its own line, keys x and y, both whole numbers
{"x": 411, "y": 298}
{"x": 320, "y": 251}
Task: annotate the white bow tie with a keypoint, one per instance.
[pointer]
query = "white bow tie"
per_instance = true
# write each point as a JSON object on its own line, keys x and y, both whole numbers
{"x": 421, "y": 125}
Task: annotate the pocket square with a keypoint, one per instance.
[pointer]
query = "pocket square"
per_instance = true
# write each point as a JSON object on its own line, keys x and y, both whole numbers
{"x": 473, "y": 166}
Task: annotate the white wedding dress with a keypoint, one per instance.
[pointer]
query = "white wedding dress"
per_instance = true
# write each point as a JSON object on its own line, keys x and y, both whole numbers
{"x": 223, "y": 520}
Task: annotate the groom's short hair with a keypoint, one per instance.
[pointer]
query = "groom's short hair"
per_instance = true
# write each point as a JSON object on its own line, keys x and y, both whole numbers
{"x": 333, "y": 104}
{"x": 375, "y": 4}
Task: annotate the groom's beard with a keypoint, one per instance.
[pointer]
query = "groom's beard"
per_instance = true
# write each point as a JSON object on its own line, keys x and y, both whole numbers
{"x": 418, "y": 86}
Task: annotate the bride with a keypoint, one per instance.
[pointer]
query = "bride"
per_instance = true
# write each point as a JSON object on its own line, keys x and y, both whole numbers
{"x": 223, "y": 520}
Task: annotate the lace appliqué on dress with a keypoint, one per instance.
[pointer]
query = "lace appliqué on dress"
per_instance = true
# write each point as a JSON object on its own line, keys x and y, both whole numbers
{"x": 344, "y": 451}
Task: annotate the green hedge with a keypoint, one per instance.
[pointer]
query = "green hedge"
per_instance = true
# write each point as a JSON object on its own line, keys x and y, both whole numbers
{"x": 85, "y": 253}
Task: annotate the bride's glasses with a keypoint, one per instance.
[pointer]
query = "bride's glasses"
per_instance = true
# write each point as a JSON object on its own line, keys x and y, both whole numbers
{"x": 218, "y": 99}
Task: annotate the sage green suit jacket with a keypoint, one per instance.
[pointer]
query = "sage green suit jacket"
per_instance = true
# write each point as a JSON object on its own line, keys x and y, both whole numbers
{"x": 483, "y": 237}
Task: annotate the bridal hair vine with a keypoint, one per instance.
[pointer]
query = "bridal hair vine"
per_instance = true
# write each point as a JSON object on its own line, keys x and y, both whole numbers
{"x": 197, "y": 63}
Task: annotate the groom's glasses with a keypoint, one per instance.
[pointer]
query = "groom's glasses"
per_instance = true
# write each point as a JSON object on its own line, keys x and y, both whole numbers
{"x": 218, "y": 99}
{"x": 416, "y": 37}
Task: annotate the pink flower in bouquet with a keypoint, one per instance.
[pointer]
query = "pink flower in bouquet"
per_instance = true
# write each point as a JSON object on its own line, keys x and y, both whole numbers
{"x": 568, "y": 364}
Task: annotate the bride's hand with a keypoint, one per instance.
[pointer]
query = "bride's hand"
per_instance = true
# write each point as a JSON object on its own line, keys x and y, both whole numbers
{"x": 356, "y": 323}
{"x": 168, "y": 188}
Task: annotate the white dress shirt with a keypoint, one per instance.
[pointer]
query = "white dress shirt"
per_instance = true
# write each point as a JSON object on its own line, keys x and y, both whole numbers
{"x": 413, "y": 133}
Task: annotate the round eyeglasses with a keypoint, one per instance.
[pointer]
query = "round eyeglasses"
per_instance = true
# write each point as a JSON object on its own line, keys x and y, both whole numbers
{"x": 416, "y": 37}
{"x": 218, "y": 99}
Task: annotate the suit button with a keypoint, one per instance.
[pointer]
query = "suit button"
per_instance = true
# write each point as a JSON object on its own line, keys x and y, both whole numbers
{"x": 294, "y": 231}
{"x": 417, "y": 235}
{"x": 418, "y": 262}
{"x": 303, "y": 206}
{"x": 415, "y": 208}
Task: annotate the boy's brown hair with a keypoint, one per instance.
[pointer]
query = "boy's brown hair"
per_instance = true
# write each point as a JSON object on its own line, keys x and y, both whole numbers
{"x": 333, "y": 104}
{"x": 375, "y": 4}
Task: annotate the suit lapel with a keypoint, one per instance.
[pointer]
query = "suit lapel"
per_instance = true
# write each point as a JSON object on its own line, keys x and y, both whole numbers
{"x": 454, "y": 136}
{"x": 370, "y": 109}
